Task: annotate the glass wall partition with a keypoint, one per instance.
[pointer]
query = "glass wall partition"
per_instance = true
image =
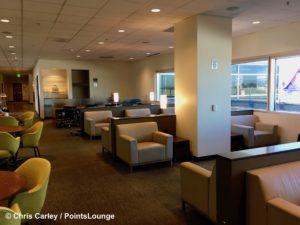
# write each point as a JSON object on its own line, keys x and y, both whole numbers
{"x": 287, "y": 84}
{"x": 249, "y": 87}
{"x": 165, "y": 85}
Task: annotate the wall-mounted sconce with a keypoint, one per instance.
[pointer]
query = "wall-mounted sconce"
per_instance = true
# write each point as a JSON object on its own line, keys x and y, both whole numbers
{"x": 116, "y": 97}
{"x": 151, "y": 96}
{"x": 95, "y": 82}
{"x": 163, "y": 101}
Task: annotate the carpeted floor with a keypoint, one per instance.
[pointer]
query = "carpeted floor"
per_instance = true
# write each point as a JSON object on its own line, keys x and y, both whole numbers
{"x": 83, "y": 180}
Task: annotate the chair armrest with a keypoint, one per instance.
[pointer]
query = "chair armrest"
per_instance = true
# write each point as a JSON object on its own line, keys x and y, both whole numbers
{"x": 246, "y": 131}
{"x": 194, "y": 182}
{"x": 281, "y": 212}
{"x": 127, "y": 149}
{"x": 89, "y": 126}
{"x": 266, "y": 127}
{"x": 164, "y": 139}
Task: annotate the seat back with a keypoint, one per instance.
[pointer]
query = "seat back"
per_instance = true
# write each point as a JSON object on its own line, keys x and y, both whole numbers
{"x": 9, "y": 143}
{"x": 247, "y": 120}
{"x": 37, "y": 173}
{"x": 6, "y": 213}
{"x": 98, "y": 116}
{"x": 137, "y": 112}
{"x": 27, "y": 118}
{"x": 32, "y": 135}
{"x": 8, "y": 121}
{"x": 271, "y": 182}
{"x": 143, "y": 132}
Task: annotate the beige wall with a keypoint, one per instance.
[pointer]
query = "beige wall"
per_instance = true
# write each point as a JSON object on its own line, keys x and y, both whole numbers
{"x": 282, "y": 40}
{"x": 145, "y": 70}
{"x": 288, "y": 124}
{"x": 112, "y": 77}
{"x": 9, "y": 80}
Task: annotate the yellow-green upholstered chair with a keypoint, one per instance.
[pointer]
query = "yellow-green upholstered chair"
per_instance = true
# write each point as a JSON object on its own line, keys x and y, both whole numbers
{"x": 27, "y": 118}
{"x": 31, "y": 137}
{"x": 6, "y": 215}
{"x": 9, "y": 145}
{"x": 8, "y": 121}
{"x": 37, "y": 173}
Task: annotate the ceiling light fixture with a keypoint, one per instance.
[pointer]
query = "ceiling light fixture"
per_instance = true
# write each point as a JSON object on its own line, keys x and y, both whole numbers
{"x": 101, "y": 43}
{"x": 72, "y": 50}
{"x": 256, "y": 22}
{"x": 5, "y": 20}
{"x": 78, "y": 56}
{"x": 131, "y": 58}
{"x": 9, "y": 36}
{"x": 11, "y": 46}
{"x": 13, "y": 53}
{"x": 148, "y": 53}
{"x": 87, "y": 50}
{"x": 155, "y": 10}
{"x": 121, "y": 31}
{"x": 171, "y": 47}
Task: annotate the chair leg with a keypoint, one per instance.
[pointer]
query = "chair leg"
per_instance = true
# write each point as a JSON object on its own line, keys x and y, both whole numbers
{"x": 16, "y": 156}
{"x": 38, "y": 151}
{"x": 34, "y": 150}
{"x": 183, "y": 205}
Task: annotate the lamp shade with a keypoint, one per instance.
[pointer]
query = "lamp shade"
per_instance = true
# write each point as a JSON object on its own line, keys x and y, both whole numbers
{"x": 3, "y": 95}
{"x": 151, "y": 96}
{"x": 116, "y": 97}
{"x": 163, "y": 101}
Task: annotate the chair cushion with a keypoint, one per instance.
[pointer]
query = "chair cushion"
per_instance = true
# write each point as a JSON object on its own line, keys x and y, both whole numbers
{"x": 150, "y": 151}
{"x": 4, "y": 154}
{"x": 143, "y": 132}
{"x": 247, "y": 120}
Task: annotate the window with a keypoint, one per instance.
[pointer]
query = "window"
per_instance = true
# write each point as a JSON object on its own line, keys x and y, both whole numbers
{"x": 249, "y": 86}
{"x": 165, "y": 85}
{"x": 287, "y": 84}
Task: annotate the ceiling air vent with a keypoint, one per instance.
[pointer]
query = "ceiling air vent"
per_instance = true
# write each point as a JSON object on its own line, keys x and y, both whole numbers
{"x": 106, "y": 57}
{"x": 61, "y": 40}
{"x": 170, "y": 29}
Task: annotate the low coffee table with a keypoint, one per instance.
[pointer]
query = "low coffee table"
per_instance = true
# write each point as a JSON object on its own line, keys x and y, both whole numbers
{"x": 10, "y": 184}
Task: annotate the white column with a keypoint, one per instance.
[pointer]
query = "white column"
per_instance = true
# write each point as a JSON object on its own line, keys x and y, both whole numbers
{"x": 203, "y": 83}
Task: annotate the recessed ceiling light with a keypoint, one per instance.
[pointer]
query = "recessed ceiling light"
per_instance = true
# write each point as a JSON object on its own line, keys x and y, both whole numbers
{"x": 171, "y": 47}
{"x": 5, "y": 20}
{"x": 101, "y": 43}
{"x": 9, "y": 36}
{"x": 155, "y": 10}
{"x": 121, "y": 31}
{"x": 256, "y": 22}
{"x": 13, "y": 53}
{"x": 78, "y": 56}
{"x": 87, "y": 50}
{"x": 72, "y": 50}
{"x": 148, "y": 53}
{"x": 11, "y": 46}
{"x": 131, "y": 58}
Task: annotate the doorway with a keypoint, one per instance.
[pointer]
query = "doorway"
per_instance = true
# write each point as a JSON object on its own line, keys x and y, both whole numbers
{"x": 17, "y": 92}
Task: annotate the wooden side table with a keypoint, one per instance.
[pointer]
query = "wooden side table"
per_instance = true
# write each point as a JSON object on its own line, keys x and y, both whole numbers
{"x": 181, "y": 149}
{"x": 10, "y": 184}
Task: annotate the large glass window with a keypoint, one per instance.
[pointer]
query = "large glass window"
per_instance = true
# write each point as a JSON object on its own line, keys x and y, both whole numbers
{"x": 249, "y": 85}
{"x": 287, "y": 82}
{"x": 165, "y": 85}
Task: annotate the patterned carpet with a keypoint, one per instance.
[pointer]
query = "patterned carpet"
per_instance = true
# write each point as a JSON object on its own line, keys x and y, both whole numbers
{"x": 83, "y": 180}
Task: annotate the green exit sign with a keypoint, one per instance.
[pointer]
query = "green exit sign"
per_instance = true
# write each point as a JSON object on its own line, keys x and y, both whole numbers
{"x": 18, "y": 75}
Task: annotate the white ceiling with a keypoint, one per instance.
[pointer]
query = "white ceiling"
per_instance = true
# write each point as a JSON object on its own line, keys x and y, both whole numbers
{"x": 63, "y": 29}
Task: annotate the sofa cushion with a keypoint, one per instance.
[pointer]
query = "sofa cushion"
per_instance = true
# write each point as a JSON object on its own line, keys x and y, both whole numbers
{"x": 247, "y": 120}
{"x": 137, "y": 112}
{"x": 143, "y": 132}
{"x": 150, "y": 151}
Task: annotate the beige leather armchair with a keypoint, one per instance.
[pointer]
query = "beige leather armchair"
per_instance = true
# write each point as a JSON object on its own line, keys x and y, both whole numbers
{"x": 273, "y": 195}
{"x": 256, "y": 134}
{"x": 198, "y": 189}
{"x": 94, "y": 120}
{"x": 142, "y": 143}
{"x": 137, "y": 112}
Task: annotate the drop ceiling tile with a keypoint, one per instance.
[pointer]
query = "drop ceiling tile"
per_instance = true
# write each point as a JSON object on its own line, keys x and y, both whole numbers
{"x": 91, "y": 3}
{"x": 73, "y": 19}
{"x": 9, "y": 4}
{"x": 41, "y": 6}
{"x": 78, "y": 11}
